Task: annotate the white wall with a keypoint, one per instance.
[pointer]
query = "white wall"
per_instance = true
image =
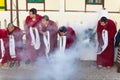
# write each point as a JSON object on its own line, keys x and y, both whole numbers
{"x": 65, "y": 18}
{"x": 61, "y": 17}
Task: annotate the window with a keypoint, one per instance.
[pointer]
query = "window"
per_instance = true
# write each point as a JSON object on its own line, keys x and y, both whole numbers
{"x": 2, "y": 5}
{"x": 94, "y": 1}
{"x": 35, "y": 1}
{"x": 93, "y": 5}
{"x": 38, "y": 4}
{"x": 43, "y": 5}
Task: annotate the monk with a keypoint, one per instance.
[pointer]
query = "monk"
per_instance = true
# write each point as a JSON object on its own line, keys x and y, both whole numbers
{"x": 15, "y": 44}
{"x": 48, "y": 36}
{"x": 3, "y": 48}
{"x": 106, "y": 30}
{"x": 32, "y": 35}
{"x": 67, "y": 38}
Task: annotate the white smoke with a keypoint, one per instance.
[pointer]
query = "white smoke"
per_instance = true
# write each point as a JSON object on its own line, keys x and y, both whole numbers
{"x": 86, "y": 39}
{"x": 57, "y": 67}
{"x": 64, "y": 66}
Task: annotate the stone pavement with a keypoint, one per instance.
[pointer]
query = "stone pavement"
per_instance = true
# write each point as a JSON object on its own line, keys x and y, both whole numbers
{"x": 77, "y": 70}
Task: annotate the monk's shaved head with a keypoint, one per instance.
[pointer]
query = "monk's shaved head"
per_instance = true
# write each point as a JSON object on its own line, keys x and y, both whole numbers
{"x": 62, "y": 29}
{"x": 33, "y": 10}
{"x": 104, "y": 19}
{"x": 45, "y": 17}
{"x": 10, "y": 25}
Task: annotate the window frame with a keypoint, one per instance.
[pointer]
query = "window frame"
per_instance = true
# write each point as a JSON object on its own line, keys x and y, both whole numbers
{"x": 35, "y": 1}
{"x": 102, "y": 4}
{"x": 94, "y": 2}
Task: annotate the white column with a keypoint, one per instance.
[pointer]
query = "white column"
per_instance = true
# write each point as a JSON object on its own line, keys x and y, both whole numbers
{"x": 62, "y": 6}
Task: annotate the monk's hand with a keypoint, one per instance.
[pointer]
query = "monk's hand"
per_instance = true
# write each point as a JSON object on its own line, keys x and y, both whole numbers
{"x": 40, "y": 29}
{"x": 99, "y": 49}
{"x": 44, "y": 33}
{"x": 10, "y": 36}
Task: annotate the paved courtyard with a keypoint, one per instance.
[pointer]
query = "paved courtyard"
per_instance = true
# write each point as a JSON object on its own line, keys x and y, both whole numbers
{"x": 74, "y": 70}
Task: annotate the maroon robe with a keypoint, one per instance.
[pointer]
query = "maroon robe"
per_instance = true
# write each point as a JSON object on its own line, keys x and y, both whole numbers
{"x": 106, "y": 58}
{"x": 18, "y": 34}
{"x": 52, "y": 28}
{"x": 30, "y": 52}
{"x": 70, "y": 37}
{"x": 3, "y": 35}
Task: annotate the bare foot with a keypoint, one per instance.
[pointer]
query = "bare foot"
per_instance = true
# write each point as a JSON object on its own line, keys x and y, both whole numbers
{"x": 0, "y": 64}
{"x": 108, "y": 67}
{"x": 99, "y": 66}
{"x": 5, "y": 64}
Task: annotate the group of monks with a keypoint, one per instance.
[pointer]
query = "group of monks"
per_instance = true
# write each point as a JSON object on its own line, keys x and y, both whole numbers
{"x": 41, "y": 40}
{"x": 43, "y": 37}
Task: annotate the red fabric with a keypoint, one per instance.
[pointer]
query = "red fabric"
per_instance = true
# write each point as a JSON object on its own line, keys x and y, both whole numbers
{"x": 106, "y": 58}
{"x": 30, "y": 52}
{"x": 3, "y": 35}
{"x": 18, "y": 34}
{"x": 52, "y": 28}
{"x": 70, "y": 37}
{"x": 29, "y": 22}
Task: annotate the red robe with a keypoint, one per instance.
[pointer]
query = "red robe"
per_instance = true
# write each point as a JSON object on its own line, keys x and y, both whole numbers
{"x": 18, "y": 34}
{"x": 70, "y": 37}
{"x": 52, "y": 28}
{"x": 3, "y": 35}
{"x": 106, "y": 58}
{"x": 30, "y": 52}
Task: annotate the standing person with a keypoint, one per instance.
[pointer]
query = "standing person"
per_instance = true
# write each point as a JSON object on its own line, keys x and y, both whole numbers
{"x": 4, "y": 54}
{"x": 106, "y": 30}
{"x": 117, "y": 44}
{"x": 32, "y": 35}
{"x": 67, "y": 37}
{"x": 15, "y": 44}
{"x": 48, "y": 36}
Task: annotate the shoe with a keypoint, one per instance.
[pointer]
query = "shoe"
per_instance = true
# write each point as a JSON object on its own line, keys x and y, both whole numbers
{"x": 18, "y": 63}
{"x": 12, "y": 64}
{"x": 27, "y": 62}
